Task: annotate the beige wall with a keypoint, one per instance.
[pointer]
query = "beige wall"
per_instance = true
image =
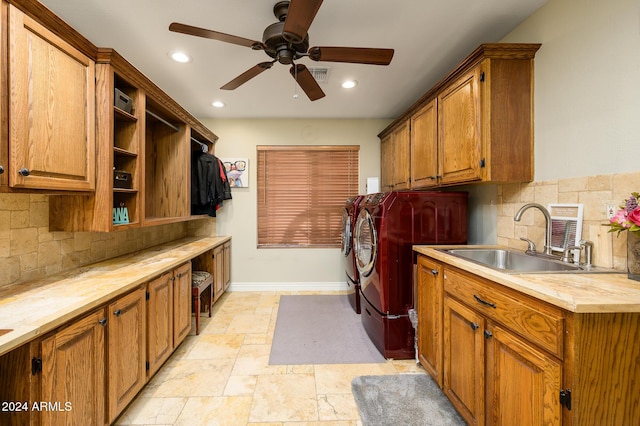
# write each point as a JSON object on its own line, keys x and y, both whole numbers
{"x": 285, "y": 268}
{"x": 587, "y": 99}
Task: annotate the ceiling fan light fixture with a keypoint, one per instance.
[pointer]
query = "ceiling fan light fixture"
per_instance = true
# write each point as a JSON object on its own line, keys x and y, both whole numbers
{"x": 349, "y": 84}
{"x": 217, "y": 104}
{"x": 180, "y": 57}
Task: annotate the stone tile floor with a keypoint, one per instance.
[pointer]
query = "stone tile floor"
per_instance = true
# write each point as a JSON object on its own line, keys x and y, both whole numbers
{"x": 223, "y": 376}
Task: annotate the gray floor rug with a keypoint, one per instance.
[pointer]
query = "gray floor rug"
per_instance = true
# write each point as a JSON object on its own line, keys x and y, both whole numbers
{"x": 406, "y": 399}
{"x": 320, "y": 329}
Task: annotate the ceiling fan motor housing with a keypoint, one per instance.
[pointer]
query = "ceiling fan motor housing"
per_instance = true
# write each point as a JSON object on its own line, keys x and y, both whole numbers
{"x": 277, "y": 46}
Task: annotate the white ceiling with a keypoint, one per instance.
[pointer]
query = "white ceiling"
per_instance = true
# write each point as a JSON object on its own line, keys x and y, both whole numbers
{"x": 430, "y": 37}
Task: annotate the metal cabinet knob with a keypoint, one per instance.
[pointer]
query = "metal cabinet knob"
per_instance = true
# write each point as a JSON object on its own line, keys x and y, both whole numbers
{"x": 24, "y": 172}
{"x": 117, "y": 312}
{"x": 1, "y": 170}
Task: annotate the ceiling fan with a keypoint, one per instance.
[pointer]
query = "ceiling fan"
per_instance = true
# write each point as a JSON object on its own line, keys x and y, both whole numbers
{"x": 287, "y": 41}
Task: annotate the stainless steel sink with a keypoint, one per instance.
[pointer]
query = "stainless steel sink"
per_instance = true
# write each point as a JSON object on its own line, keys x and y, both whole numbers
{"x": 514, "y": 262}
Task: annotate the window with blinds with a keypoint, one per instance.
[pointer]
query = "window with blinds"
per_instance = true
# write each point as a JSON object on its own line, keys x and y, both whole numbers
{"x": 301, "y": 192}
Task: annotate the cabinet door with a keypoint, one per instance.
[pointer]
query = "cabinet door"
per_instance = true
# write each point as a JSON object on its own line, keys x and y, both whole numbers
{"x": 394, "y": 159}
{"x": 424, "y": 146}
{"x": 159, "y": 322}
{"x": 459, "y": 130}
{"x": 227, "y": 265}
{"x": 218, "y": 273}
{"x": 73, "y": 373}
{"x": 522, "y": 382}
{"x": 386, "y": 163}
{"x": 51, "y": 146}
{"x": 429, "y": 295}
{"x": 181, "y": 303}
{"x": 464, "y": 360}
{"x": 400, "y": 167}
{"x": 127, "y": 327}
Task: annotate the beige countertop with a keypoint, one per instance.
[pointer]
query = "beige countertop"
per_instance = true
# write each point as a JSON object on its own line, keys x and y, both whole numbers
{"x": 575, "y": 292}
{"x": 34, "y": 308}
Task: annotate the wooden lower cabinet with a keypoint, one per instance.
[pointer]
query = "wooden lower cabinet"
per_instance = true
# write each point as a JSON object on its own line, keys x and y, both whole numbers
{"x": 218, "y": 275}
{"x": 168, "y": 315}
{"x": 494, "y": 369}
{"x": 464, "y": 360}
{"x": 126, "y": 350}
{"x": 159, "y": 322}
{"x": 429, "y": 301}
{"x": 181, "y": 303}
{"x": 508, "y": 356}
{"x": 73, "y": 373}
{"x": 522, "y": 382}
{"x": 226, "y": 267}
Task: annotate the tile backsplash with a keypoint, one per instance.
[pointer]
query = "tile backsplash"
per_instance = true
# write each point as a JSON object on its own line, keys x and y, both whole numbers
{"x": 28, "y": 250}
{"x": 594, "y": 192}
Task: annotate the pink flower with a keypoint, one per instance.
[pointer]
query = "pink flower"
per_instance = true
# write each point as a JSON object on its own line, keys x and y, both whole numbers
{"x": 620, "y": 218}
{"x": 634, "y": 216}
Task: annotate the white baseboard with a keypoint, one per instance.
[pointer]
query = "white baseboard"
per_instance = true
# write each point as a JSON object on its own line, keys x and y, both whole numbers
{"x": 292, "y": 286}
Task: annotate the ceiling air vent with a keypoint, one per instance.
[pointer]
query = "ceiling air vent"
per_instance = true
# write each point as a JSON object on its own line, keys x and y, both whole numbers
{"x": 320, "y": 74}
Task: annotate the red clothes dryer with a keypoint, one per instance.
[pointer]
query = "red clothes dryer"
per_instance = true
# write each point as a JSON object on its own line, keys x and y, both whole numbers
{"x": 349, "y": 216}
{"x": 388, "y": 225}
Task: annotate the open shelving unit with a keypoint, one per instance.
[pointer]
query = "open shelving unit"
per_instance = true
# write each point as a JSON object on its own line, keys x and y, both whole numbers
{"x": 152, "y": 143}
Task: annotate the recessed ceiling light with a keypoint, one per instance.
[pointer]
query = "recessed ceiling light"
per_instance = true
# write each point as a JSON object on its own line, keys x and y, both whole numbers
{"x": 217, "y": 104}
{"x": 349, "y": 84}
{"x": 180, "y": 57}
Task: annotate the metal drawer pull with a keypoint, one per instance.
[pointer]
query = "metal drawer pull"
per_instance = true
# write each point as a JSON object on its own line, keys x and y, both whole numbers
{"x": 484, "y": 302}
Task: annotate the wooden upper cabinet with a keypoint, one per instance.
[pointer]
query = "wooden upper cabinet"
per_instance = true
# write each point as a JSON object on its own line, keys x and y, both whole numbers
{"x": 458, "y": 130}
{"x": 51, "y": 109}
{"x": 424, "y": 146}
{"x": 475, "y": 125}
{"x": 394, "y": 159}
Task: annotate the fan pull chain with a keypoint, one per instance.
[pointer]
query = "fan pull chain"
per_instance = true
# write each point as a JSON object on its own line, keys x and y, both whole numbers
{"x": 295, "y": 81}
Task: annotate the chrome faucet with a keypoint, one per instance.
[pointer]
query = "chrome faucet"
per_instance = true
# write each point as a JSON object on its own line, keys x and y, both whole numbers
{"x": 547, "y": 218}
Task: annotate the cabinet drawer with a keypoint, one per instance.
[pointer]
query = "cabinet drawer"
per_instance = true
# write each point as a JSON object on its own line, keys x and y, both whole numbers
{"x": 534, "y": 320}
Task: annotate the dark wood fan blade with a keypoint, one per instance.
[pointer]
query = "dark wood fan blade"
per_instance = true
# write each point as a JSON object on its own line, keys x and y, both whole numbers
{"x": 354, "y": 55}
{"x": 299, "y": 19}
{"x": 247, "y": 75}
{"x": 215, "y": 35}
{"x": 306, "y": 81}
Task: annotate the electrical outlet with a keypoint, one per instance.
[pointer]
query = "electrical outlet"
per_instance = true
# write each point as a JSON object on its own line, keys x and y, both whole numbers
{"x": 611, "y": 210}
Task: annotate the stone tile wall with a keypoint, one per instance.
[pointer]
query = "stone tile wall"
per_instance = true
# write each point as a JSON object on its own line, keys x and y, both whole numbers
{"x": 28, "y": 250}
{"x": 594, "y": 192}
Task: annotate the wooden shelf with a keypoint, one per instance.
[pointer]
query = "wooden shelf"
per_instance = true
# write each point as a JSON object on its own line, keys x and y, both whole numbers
{"x": 123, "y": 115}
{"x": 121, "y": 151}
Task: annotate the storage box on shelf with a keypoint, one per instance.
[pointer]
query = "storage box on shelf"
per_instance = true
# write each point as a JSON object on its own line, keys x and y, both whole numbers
{"x": 475, "y": 125}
